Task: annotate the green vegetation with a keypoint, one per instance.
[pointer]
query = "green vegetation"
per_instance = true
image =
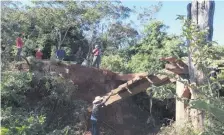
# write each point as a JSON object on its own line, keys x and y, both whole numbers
{"x": 41, "y": 103}
{"x": 33, "y": 104}
{"x": 209, "y": 100}
{"x": 145, "y": 55}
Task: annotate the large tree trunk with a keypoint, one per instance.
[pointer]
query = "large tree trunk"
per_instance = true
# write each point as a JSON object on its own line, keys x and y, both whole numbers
{"x": 201, "y": 13}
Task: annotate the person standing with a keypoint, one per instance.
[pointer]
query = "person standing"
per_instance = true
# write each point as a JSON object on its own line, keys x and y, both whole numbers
{"x": 96, "y": 56}
{"x": 98, "y": 103}
{"x": 60, "y": 54}
{"x": 19, "y": 46}
{"x": 39, "y": 54}
{"x": 78, "y": 56}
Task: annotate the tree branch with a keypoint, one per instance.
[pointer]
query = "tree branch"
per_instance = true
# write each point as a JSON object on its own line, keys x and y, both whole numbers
{"x": 65, "y": 34}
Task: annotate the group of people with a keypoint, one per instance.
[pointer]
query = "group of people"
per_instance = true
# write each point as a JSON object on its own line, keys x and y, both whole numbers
{"x": 98, "y": 101}
{"x": 60, "y": 53}
{"x": 19, "y": 46}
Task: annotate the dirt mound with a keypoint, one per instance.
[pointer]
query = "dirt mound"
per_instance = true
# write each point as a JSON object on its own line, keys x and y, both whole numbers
{"x": 92, "y": 82}
{"x": 122, "y": 118}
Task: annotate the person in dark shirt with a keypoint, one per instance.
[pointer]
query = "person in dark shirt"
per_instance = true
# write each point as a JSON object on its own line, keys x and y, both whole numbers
{"x": 97, "y": 104}
{"x": 78, "y": 56}
{"x": 60, "y": 54}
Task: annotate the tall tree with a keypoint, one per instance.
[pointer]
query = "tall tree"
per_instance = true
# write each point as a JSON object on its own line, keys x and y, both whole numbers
{"x": 201, "y": 14}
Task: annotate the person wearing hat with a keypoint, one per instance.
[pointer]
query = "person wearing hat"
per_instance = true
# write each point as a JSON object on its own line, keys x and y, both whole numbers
{"x": 97, "y": 104}
{"x": 96, "y": 56}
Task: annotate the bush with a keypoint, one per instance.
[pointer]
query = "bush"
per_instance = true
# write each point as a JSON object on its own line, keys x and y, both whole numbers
{"x": 38, "y": 103}
{"x": 115, "y": 63}
{"x": 185, "y": 129}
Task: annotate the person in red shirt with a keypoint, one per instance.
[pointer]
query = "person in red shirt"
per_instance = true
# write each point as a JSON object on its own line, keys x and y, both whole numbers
{"x": 19, "y": 46}
{"x": 39, "y": 54}
{"x": 96, "y": 56}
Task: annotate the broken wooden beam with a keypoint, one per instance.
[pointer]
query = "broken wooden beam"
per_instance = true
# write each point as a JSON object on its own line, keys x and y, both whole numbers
{"x": 176, "y": 66}
{"x": 127, "y": 77}
{"x": 136, "y": 87}
{"x": 123, "y": 86}
{"x": 176, "y": 69}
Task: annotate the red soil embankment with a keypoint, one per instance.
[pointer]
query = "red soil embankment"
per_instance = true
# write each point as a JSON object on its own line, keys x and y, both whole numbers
{"x": 121, "y": 116}
{"x": 93, "y": 82}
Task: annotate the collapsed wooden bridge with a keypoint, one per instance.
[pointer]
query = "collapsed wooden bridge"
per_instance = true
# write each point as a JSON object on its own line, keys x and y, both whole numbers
{"x": 133, "y": 83}
{"x": 141, "y": 82}
{"x": 92, "y": 82}
{"x": 137, "y": 83}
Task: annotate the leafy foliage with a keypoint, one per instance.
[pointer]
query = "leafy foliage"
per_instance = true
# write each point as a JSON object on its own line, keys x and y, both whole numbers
{"x": 30, "y": 101}
{"x": 185, "y": 129}
{"x": 203, "y": 55}
{"x": 115, "y": 63}
{"x": 144, "y": 56}
{"x": 33, "y": 104}
{"x": 66, "y": 24}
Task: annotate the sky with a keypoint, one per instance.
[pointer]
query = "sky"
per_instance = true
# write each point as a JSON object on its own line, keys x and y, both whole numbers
{"x": 171, "y": 9}
{"x": 169, "y": 12}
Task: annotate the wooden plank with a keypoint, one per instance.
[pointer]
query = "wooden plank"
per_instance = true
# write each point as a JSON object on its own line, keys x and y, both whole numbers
{"x": 157, "y": 79}
{"x": 125, "y": 94}
{"x": 127, "y": 77}
{"x": 176, "y": 69}
{"x": 137, "y": 87}
{"x": 123, "y": 86}
{"x": 154, "y": 79}
{"x": 176, "y": 66}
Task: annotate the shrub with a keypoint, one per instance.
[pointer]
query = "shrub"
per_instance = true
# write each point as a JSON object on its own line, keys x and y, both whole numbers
{"x": 38, "y": 103}
{"x": 114, "y": 63}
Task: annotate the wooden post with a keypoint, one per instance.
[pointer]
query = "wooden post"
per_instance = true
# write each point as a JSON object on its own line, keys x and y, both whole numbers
{"x": 184, "y": 94}
{"x": 180, "y": 107}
